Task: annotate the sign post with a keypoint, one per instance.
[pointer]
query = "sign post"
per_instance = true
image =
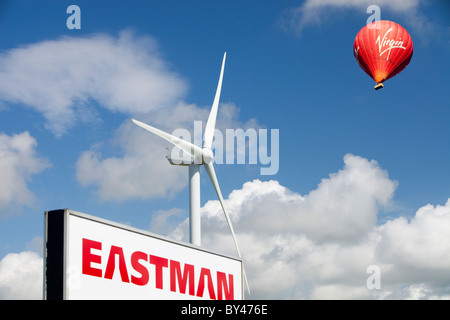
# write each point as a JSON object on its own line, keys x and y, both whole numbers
{"x": 91, "y": 258}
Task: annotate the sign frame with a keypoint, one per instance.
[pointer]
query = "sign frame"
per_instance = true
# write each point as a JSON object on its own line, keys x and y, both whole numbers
{"x": 57, "y": 240}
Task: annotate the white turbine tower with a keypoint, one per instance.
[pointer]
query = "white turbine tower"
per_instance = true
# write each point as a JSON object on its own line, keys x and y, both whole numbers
{"x": 199, "y": 156}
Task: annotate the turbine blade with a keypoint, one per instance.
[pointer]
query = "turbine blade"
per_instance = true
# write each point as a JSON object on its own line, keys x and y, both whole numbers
{"x": 189, "y": 148}
{"x": 211, "y": 123}
{"x": 212, "y": 176}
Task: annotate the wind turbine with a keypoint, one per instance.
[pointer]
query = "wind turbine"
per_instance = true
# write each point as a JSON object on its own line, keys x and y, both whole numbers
{"x": 199, "y": 156}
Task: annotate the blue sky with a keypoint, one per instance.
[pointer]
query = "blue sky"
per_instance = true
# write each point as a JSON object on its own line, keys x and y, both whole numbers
{"x": 68, "y": 96}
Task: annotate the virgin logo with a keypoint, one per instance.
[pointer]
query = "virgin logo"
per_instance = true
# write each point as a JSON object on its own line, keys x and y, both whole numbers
{"x": 389, "y": 43}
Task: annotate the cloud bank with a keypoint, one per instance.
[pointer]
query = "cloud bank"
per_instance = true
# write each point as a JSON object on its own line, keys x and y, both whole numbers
{"x": 67, "y": 80}
{"x": 322, "y": 244}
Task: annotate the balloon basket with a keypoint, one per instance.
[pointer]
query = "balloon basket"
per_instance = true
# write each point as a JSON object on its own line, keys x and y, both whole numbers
{"x": 378, "y": 86}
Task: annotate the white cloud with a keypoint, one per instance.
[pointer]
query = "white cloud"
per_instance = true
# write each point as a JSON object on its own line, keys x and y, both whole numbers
{"x": 342, "y": 208}
{"x": 143, "y": 171}
{"x": 62, "y": 78}
{"x": 18, "y": 162}
{"x": 316, "y": 12}
{"x": 419, "y": 246}
{"x": 21, "y": 276}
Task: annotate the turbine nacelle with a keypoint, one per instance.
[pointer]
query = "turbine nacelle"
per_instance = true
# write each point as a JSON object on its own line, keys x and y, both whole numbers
{"x": 207, "y": 155}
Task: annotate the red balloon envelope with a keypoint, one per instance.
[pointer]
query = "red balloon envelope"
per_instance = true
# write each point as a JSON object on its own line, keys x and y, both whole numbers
{"x": 383, "y": 49}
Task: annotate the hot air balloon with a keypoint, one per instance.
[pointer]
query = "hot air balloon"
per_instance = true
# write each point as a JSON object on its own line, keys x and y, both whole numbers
{"x": 383, "y": 49}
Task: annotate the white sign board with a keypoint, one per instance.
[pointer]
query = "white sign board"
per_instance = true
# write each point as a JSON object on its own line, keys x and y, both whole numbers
{"x": 105, "y": 260}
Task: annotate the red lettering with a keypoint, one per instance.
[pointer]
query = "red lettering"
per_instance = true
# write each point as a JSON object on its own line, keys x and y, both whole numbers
{"x": 181, "y": 278}
{"x": 201, "y": 285}
{"x": 135, "y": 257}
{"x": 111, "y": 266}
{"x": 175, "y": 274}
{"x": 222, "y": 284}
{"x": 159, "y": 263}
{"x": 89, "y": 257}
